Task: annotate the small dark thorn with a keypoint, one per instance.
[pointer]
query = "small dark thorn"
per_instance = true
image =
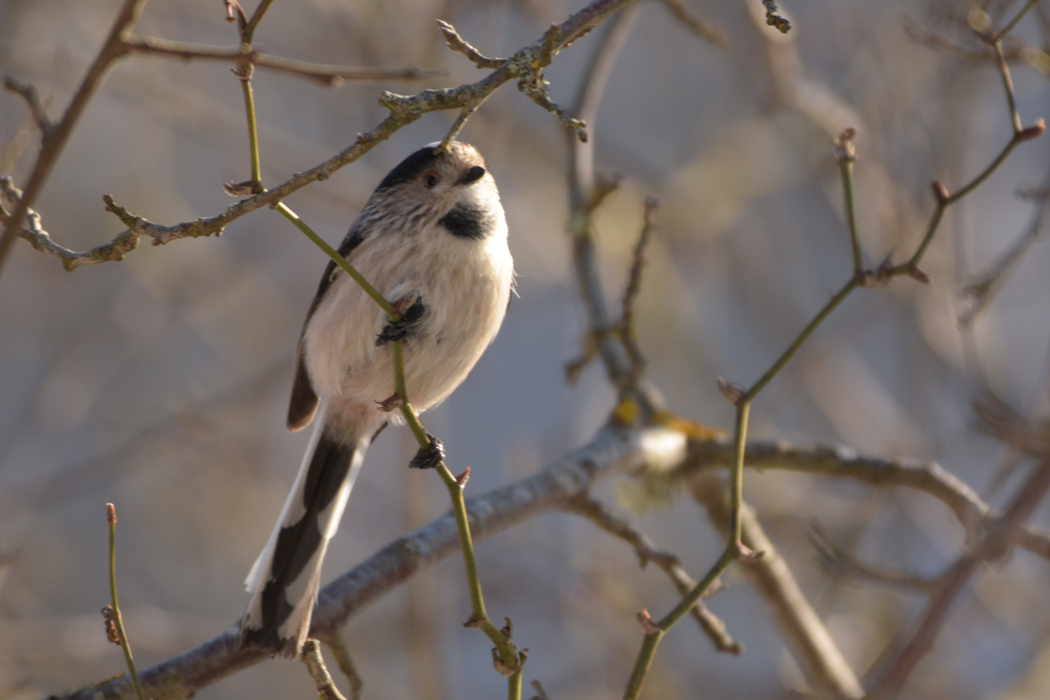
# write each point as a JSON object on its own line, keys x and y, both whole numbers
{"x": 391, "y": 402}
{"x": 731, "y": 390}
{"x": 430, "y": 457}
{"x": 915, "y": 273}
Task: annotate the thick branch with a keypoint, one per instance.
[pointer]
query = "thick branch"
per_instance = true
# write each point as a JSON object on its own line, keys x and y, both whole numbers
{"x": 613, "y": 451}
{"x": 927, "y": 477}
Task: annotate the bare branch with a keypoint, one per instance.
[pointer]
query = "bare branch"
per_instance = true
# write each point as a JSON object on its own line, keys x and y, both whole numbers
{"x": 628, "y": 332}
{"x": 999, "y": 420}
{"x": 702, "y": 28}
{"x": 825, "y": 666}
{"x": 403, "y": 111}
{"x": 981, "y": 293}
{"x": 534, "y": 86}
{"x": 56, "y": 138}
{"x": 460, "y": 45}
{"x": 912, "y": 645}
{"x": 841, "y": 462}
{"x": 345, "y": 663}
{"x": 612, "y": 451}
{"x": 585, "y": 192}
{"x": 42, "y": 241}
{"x": 327, "y": 75}
{"x": 841, "y": 565}
{"x": 713, "y": 627}
{"x": 36, "y": 109}
{"x": 1012, "y": 51}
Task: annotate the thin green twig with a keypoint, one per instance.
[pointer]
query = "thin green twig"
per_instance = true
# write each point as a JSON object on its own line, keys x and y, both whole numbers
{"x": 257, "y": 186}
{"x": 654, "y": 632}
{"x": 1008, "y": 85}
{"x": 846, "y": 156}
{"x": 349, "y": 269}
{"x": 800, "y": 340}
{"x": 514, "y": 686}
{"x": 253, "y": 137}
{"x": 742, "y": 399}
{"x": 1024, "y": 10}
{"x": 508, "y": 657}
{"x": 111, "y": 518}
{"x": 943, "y": 204}
{"x": 249, "y": 29}
{"x": 736, "y": 485}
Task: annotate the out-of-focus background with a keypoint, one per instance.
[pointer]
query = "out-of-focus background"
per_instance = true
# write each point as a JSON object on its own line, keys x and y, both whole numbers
{"x": 160, "y": 383}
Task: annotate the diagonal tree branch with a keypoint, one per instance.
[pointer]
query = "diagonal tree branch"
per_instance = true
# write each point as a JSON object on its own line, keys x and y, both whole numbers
{"x": 915, "y": 642}
{"x": 821, "y": 659}
{"x": 55, "y": 139}
{"x": 403, "y": 111}
{"x": 612, "y": 451}
{"x": 657, "y": 451}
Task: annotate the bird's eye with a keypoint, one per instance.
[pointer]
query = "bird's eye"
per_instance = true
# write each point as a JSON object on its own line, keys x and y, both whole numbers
{"x": 430, "y": 180}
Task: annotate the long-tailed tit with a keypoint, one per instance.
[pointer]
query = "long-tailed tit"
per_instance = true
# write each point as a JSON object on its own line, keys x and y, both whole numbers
{"x": 432, "y": 239}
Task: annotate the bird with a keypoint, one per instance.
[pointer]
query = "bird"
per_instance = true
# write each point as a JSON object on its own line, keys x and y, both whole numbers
{"x": 432, "y": 239}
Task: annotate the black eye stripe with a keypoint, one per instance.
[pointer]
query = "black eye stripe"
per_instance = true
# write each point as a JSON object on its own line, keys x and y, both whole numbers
{"x": 410, "y": 168}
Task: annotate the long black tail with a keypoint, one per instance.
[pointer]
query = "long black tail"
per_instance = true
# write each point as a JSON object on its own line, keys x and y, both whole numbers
{"x": 286, "y": 577}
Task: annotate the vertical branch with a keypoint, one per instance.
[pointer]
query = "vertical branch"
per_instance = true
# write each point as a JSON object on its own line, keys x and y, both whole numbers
{"x": 584, "y": 195}
{"x": 118, "y": 621}
{"x": 244, "y": 72}
{"x": 845, "y": 153}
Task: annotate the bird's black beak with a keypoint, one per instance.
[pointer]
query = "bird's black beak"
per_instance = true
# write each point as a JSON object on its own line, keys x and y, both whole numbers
{"x": 471, "y": 176}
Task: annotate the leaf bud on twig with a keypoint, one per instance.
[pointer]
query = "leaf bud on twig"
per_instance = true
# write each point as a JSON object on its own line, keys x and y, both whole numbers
{"x": 940, "y": 192}
{"x": 1032, "y": 132}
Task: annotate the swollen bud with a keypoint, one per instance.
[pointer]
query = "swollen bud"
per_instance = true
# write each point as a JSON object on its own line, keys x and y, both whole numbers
{"x": 940, "y": 192}
{"x": 1032, "y": 132}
